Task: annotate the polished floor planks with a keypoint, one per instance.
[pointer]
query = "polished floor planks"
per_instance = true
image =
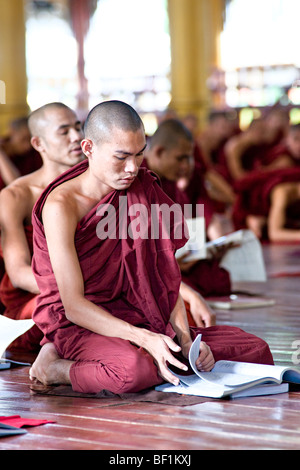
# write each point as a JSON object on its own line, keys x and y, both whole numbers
{"x": 270, "y": 422}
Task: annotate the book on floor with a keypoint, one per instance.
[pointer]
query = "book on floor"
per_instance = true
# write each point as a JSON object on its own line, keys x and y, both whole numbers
{"x": 6, "y": 430}
{"x": 235, "y": 302}
{"x": 232, "y": 379}
{"x": 9, "y": 331}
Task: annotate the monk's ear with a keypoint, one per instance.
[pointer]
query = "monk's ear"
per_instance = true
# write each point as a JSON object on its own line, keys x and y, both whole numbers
{"x": 159, "y": 150}
{"x": 37, "y": 143}
{"x": 87, "y": 147}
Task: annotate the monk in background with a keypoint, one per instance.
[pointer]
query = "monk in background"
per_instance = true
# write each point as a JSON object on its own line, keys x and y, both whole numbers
{"x": 260, "y": 147}
{"x": 17, "y": 155}
{"x": 109, "y": 304}
{"x": 170, "y": 156}
{"x": 256, "y": 193}
{"x": 208, "y": 154}
{"x": 56, "y": 135}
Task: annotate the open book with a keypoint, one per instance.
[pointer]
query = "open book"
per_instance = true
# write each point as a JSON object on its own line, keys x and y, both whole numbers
{"x": 243, "y": 258}
{"x": 9, "y": 331}
{"x": 233, "y": 379}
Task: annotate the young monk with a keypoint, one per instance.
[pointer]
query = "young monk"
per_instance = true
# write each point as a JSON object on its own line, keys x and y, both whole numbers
{"x": 260, "y": 147}
{"x": 109, "y": 303}
{"x": 170, "y": 154}
{"x": 207, "y": 147}
{"x": 253, "y": 201}
{"x": 56, "y": 135}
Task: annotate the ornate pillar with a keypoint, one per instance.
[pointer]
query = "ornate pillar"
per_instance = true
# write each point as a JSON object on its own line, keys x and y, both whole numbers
{"x": 195, "y": 27}
{"x": 12, "y": 62}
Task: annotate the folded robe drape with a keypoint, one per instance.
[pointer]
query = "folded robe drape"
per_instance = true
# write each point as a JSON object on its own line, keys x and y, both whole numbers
{"x": 136, "y": 279}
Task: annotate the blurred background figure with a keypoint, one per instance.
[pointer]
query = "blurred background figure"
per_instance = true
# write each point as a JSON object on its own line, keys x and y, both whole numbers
{"x": 17, "y": 156}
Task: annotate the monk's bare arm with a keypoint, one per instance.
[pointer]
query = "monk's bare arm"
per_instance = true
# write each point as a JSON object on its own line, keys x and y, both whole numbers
{"x": 280, "y": 198}
{"x": 14, "y": 208}
{"x": 221, "y": 190}
{"x": 60, "y": 222}
{"x": 283, "y": 161}
{"x": 200, "y": 310}
{"x": 233, "y": 152}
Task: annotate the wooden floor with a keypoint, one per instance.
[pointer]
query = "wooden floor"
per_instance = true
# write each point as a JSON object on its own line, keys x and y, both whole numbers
{"x": 271, "y": 422}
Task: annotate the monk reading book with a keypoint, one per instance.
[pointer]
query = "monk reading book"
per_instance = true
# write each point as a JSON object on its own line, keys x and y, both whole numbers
{"x": 109, "y": 303}
{"x": 56, "y": 135}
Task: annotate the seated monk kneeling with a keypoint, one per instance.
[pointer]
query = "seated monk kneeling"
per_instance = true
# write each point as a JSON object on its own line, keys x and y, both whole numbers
{"x": 56, "y": 134}
{"x": 109, "y": 303}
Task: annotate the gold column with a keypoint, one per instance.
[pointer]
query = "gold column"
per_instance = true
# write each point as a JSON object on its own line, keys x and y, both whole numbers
{"x": 195, "y": 27}
{"x": 12, "y": 62}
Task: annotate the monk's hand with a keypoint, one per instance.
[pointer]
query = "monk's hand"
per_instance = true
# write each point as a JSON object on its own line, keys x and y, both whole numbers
{"x": 217, "y": 252}
{"x": 205, "y": 361}
{"x": 184, "y": 265}
{"x": 160, "y": 347}
{"x": 202, "y": 314}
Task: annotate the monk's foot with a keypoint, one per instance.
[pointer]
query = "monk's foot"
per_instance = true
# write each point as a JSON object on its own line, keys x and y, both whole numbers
{"x": 37, "y": 387}
{"x": 49, "y": 369}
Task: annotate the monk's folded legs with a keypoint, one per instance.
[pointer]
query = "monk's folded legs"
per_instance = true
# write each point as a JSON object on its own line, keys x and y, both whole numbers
{"x": 92, "y": 363}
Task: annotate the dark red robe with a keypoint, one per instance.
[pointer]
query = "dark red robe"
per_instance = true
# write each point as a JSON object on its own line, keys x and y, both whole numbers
{"x": 26, "y": 163}
{"x": 253, "y": 192}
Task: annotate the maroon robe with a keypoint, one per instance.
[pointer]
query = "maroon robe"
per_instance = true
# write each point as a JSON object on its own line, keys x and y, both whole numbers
{"x": 26, "y": 163}
{"x": 253, "y": 192}
{"x": 136, "y": 280}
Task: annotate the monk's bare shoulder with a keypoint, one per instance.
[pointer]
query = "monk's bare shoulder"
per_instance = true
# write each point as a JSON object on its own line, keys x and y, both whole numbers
{"x": 66, "y": 200}
{"x": 18, "y": 198}
{"x": 61, "y": 199}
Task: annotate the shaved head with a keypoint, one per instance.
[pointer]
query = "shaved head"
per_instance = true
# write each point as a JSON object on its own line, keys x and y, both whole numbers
{"x": 108, "y": 115}
{"x": 38, "y": 118}
{"x": 169, "y": 133}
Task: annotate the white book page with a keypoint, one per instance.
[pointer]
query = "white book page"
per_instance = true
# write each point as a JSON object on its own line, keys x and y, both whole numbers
{"x": 10, "y": 330}
{"x": 225, "y": 376}
{"x": 195, "y": 246}
{"x": 245, "y": 262}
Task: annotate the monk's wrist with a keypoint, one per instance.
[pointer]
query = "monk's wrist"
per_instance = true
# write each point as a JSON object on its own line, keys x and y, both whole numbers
{"x": 185, "y": 347}
{"x": 137, "y": 335}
